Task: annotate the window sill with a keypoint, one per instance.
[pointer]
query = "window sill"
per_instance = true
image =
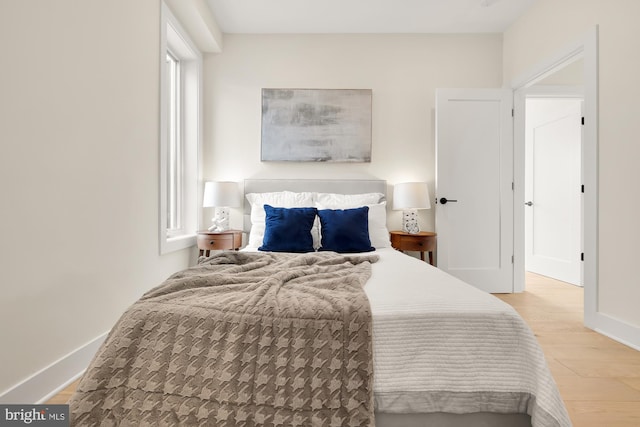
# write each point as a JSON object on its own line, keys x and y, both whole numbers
{"x": 177, "y": 243}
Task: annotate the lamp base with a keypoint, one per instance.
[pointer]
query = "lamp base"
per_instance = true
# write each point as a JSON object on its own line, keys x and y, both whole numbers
{"x": 410, "y": 221}
{"x": 220, "y": 222}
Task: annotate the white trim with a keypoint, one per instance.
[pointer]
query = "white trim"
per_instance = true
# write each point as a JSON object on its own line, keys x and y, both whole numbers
{"x": 47, "y": 382}
{"x": 176, "y": 243}
{"x": 553, "y": 91}
{"x": 197, "y": 17}
{"x": 191, "y": 65}
{"x": 591, "y": 181}
{"x": 618, "y": 330}
{"x": 587, "y": 49}
{"x": 519, "y": 102}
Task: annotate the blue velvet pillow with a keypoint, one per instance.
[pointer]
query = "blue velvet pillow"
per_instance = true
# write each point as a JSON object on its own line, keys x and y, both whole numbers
{"x": 288, "y": 229}
{"x": 345, "y": 230}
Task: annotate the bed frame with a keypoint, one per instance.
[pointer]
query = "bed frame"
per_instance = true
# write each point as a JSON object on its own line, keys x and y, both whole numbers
{"x": 354, "y": 186}
{"x": 341, "y": 186}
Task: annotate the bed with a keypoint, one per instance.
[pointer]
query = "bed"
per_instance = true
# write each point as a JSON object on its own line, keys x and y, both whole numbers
{"x": 424, "y": 349}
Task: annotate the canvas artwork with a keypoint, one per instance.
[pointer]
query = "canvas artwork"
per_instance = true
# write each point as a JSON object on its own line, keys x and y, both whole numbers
{"x": 316, "y": 125}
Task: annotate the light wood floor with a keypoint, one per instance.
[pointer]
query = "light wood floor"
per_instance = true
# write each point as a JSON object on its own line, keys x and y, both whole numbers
{"x": 598, "y": 378}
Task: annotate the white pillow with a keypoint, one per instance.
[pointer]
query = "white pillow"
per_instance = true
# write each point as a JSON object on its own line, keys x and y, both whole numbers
{"x": 378, "y": 231}
{"x": 280, "y": 199}
{"x": 347, "y": 201}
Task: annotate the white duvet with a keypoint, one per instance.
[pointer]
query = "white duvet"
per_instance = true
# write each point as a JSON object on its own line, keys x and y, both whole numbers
{"x": 441, "y": 345}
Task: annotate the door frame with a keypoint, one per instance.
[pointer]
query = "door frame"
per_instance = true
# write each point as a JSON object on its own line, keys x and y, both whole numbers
{"x": 587, "y": 49}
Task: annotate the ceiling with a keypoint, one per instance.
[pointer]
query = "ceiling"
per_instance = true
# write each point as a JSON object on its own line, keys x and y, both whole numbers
{"x": 366, "y": 16}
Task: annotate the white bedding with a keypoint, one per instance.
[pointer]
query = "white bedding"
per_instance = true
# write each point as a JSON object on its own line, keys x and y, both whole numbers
{"x": 441, "y": 345}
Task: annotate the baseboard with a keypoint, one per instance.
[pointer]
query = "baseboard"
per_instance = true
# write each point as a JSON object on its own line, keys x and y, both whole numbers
{"x": 44, "y": 384}
{"x": 618, "y": 330}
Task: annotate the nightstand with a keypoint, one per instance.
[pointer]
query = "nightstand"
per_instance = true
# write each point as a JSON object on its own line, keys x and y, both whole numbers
{"x": 424, "y": 241}
{"x": 218, "y": 240}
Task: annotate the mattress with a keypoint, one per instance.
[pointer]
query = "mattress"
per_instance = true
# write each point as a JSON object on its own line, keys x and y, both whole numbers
{"x": 441, "y": 345}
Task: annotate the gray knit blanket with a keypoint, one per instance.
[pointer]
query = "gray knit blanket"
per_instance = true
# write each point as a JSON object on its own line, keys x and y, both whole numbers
{"x": 240, "y": 339}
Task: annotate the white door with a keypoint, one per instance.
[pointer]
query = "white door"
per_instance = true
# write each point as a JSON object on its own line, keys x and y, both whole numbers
{"x": 474, "y": 172}
{"x": 552, "y": 192}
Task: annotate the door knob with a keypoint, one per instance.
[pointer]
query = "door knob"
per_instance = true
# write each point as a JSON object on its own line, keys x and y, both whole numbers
{"x": 444, "y": 201}
{"x": 529, "y": 203}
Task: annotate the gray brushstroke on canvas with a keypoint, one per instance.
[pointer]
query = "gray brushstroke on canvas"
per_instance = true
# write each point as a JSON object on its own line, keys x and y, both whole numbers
{"x": 316, "y": 125}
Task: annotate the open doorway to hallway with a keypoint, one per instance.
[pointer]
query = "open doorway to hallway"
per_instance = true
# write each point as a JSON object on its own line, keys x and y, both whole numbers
{"x": 553, "y": 209}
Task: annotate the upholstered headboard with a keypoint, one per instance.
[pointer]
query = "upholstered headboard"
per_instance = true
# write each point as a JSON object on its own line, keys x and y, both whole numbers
{"x": 341, "y": 186}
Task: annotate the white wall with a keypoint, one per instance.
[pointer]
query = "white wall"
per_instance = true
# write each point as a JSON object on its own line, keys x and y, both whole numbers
{"x": 79, "y": 110}
{"x": 402, "y": 70}
{"x": 546, "y": 28}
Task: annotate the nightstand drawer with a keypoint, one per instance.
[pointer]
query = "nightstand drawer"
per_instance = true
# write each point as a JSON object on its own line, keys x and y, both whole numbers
{"x": 218, "y": 240}
{"x": 215, "y": 241}
{"x": 412, "y": 244}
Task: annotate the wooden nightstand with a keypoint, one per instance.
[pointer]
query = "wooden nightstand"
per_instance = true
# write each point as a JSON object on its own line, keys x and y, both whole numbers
{"x": 424, "y": 241}
{"x": 218, "y": 240}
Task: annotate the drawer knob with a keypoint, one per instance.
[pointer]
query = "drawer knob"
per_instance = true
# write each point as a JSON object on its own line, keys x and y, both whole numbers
{"x": 211, "y": 242}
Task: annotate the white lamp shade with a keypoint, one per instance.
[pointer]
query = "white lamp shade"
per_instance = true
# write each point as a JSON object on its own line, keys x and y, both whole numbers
{"x": 411, "y": 195}
{"x": 221, "y": 193}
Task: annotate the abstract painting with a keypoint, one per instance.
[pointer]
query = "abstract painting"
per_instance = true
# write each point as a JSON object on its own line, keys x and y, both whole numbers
{"x": 316, "y": 125}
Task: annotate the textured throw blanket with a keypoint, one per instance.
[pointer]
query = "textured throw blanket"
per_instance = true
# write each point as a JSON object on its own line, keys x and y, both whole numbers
{"x": 240, "y": 339}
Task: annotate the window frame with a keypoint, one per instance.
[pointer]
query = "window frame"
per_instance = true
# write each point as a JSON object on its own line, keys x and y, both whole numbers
{"x": 174, "y": 224}
{"x": 188, "y": 133}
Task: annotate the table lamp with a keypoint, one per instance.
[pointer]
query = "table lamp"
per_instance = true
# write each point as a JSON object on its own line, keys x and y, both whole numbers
{"x": 222, "y": 195}
{"x": 411, "y": 196}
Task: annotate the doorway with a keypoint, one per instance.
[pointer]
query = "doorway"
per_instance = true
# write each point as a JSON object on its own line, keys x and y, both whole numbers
{"x": 586, "y": 50}
{"x": 553, "y": 182}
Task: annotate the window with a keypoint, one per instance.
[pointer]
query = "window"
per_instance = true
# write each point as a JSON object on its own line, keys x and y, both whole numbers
{"x": 180, "y": 89}
{"x": 174, "y": 149}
